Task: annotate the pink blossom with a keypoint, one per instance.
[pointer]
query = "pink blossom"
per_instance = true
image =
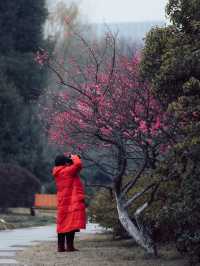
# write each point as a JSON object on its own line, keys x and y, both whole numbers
{"x": 105, "y": 131}
{"x": 41, "y": 57}
{"x": 143, "y": 126}
{"x": 120, "y": 105}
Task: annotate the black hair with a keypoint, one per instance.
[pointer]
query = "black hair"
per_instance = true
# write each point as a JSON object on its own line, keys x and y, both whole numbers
{"x": 62, "y": 160}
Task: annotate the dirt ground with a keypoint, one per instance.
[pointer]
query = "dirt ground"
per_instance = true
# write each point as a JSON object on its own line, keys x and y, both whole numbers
{"x": 98, "y": 250}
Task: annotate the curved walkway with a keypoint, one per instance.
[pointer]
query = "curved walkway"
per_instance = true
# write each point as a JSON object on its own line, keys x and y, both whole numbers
{"x": 15, "y": 240}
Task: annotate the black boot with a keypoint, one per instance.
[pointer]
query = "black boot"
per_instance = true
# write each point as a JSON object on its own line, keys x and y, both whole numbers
{"x": 61, "y": 242}
{"x": 70, "y": 241}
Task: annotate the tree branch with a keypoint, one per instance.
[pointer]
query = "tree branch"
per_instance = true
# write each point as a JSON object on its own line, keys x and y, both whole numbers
{"x": 147, "y": 203}
{"x": 63, "y": 82}
{"x": 138, "y": 194}
{"x": 130, "y": 184}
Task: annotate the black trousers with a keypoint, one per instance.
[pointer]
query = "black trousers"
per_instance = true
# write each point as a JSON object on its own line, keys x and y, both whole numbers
{"x": 66, "y": 237}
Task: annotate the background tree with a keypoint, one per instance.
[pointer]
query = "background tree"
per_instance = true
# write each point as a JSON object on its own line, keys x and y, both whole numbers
{"x": 22, "y": 82}
{"x": 171, "y": 62}
{"x": 21, "y": 36}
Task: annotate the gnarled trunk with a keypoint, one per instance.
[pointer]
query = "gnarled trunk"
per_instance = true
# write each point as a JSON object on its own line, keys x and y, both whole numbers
{"x": 141, "y": 238}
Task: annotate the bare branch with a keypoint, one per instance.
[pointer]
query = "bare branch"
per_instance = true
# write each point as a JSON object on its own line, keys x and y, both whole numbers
{"x": 138, "y": 195}
{"x": 99, "y": 186}
{"x": 131, "y": 183}
{"x": 112, "y": 67}
{"x": 141, "y": 209}
{"x": 63, "y": 82}
{"x": 100, "y": 166}
{"x": 148, "y": 203}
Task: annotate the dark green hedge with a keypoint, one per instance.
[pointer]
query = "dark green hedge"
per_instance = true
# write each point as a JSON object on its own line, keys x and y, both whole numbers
{"x": 18, "y": 186}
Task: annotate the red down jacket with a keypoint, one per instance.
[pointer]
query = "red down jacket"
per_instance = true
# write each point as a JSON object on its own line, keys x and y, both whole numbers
{"x": 70, "y": 197}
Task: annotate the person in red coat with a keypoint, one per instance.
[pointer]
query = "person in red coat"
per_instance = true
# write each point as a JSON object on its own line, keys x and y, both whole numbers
{"x": 71, "y": 216}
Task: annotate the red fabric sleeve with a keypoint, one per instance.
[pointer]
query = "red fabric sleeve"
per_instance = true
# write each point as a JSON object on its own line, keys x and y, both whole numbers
{"x": 75, "y": 168}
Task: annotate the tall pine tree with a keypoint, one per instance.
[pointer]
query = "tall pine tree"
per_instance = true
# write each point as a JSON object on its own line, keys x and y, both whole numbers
{"x": 22, "y": 81}
{"x": 21, "y": 35}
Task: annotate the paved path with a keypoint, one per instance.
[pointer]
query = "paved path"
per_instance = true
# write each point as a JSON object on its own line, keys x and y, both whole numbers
{"x": 18, "y": 239}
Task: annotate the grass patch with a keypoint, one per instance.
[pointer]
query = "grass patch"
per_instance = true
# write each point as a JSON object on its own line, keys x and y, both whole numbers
{"x": 100, "y": 250}
{"x": 25, "y": 220}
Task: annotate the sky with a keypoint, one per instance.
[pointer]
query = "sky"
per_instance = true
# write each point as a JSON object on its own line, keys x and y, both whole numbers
{"x": 108, "y": 11}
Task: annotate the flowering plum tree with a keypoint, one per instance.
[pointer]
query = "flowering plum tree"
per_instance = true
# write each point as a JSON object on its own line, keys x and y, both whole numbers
{"x": 105, "y": 107}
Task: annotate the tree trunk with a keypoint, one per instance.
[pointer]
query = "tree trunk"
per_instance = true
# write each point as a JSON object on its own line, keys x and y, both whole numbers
{"x": 141, "y": 238}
